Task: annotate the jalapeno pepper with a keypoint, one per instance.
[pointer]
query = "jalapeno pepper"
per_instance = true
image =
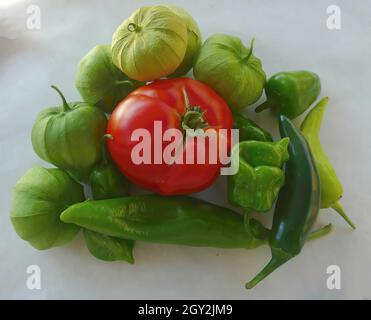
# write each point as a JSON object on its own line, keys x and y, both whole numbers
{"x": 298, "y": 202}
{"x": 331, "y": 188}
{"x": 249, "y": 130}
{"x": 107, "y": 182}
{"x": 291, "y": 93}
{"x": 172, "y": 220}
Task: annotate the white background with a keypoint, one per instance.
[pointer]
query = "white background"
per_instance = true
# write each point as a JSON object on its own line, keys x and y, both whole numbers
{"x": 289, "y": 35}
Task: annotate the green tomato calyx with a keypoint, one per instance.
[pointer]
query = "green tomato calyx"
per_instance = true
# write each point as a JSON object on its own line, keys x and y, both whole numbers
{"x": 193, "y": 118}
{"x": 65, "y": 106}
{"x": 132, "y": 27}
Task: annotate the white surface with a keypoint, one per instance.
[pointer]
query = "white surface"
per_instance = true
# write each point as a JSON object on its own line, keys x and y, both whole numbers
{"x": 289, "y": 35}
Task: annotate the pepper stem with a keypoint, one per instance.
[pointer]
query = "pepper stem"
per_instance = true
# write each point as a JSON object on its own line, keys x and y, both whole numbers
{"x": 193, "y": 118}
{"x": 128, "y": 82}
{"x": 279, "y": 257}
{"x": 65, "y": 107}
{"x": 321, "y": 232}
{"x": 104, "y": 147}
{"x": 340, "y": 210}
{"x": 265, "y": 105}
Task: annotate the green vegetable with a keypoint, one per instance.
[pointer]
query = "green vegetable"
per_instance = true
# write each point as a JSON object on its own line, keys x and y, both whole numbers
{"x": 100, "y": 82}
{"x": 109, "y": 248}
{"x": 230, "y": 69}
{"x": 249, "y": 130}
{"x": 150, "y": 44}
{"x": 291, "y": 93}
{"x": 172, "y": 220}
{"x": 39, "y": 198}
{"x": 331, "y": 188}
{"x": 259, "y": 177}
{"x": 106, "y": 179}
{"x": 107, "y": 182}
{"x": 194, "y": 41}
{"x": 69, "y": 136}
{"x": 298, "y": 202}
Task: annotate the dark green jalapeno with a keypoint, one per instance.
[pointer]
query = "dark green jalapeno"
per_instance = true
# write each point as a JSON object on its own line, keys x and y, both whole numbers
{"x": 298, "y": 202}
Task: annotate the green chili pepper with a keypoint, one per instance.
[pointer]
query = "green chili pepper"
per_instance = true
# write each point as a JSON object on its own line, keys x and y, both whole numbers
{"x": 259, "y": 178}
{"x": 107, "y": 182}
{"x": 331, "y": 188}
{"x": 298, "y": 202}
{"x": 291, "y": 93}
{"x": 172, "y": 220}
{"x": 106, "y": 179}
{"x": 249, "y": 130}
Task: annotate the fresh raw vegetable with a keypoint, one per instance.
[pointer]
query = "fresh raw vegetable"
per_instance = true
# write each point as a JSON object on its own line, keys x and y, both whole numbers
{"x": 173, "y": 137}
{"x": 249, "y": 130}
{"x": 298, "y": 202}
{"x": 106, "y": 180}
{"x": 100, "y": 82}
{"x": 150, "y": 44}
{"x": 194, "y": 40}
{"x": 259, "y": 177}
{"x": 230, "y": 69}
{"x": 331, "y": 188}
{"x": 70, "y": 136}
{"x": 291, "y": 93}
{"x": 109, "y": 248}
{"x": 39, "y": 198}
{"x": 179, "y": 104}
{"x": 172, "y": 220}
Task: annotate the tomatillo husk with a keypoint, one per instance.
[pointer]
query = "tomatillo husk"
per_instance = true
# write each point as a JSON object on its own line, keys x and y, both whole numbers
{"x": 100, "y": 82}
{"x": 193, "y": 44}
{"x": 39, "y": 197}
{"x": 150, "y": 44}
{"x": 69, "y": 136}
{"x": 231, "y": 69}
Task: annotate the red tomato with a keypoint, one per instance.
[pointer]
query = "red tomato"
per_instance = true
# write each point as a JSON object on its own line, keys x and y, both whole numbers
{"x": 166, "y": 101}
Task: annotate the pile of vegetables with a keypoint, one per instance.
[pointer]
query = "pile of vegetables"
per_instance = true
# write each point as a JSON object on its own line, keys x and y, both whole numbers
{"x": 137, "y": 81}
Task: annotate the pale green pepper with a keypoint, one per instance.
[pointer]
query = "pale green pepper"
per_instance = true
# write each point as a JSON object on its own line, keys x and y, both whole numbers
{"x": 331, "y": 188}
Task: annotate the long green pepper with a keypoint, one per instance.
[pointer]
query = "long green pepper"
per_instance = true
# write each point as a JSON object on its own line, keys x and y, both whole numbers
{"x": 298, "y": 202}
{"x": 331, "y": 188}
{"x": 172, "y": 220}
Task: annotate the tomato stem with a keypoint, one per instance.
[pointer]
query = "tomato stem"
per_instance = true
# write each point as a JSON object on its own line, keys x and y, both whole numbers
{"x": 193, "y": 118}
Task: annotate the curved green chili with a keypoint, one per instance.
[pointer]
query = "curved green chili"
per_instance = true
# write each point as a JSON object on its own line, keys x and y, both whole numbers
{"x": 298, "y": 202}
{"x": 331, "y": 188}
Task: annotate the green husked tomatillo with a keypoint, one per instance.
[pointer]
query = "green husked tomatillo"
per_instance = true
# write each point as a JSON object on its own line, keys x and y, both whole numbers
{"x": 39, "y": 198}
{"x": 69, "y": 136}
{"x": 230, "y": 69}
{"x": 194, "y": 41}
{"x": 172, "y": 220}
{"x": 100, "y": 82}
{"x": 150, "y": 44}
